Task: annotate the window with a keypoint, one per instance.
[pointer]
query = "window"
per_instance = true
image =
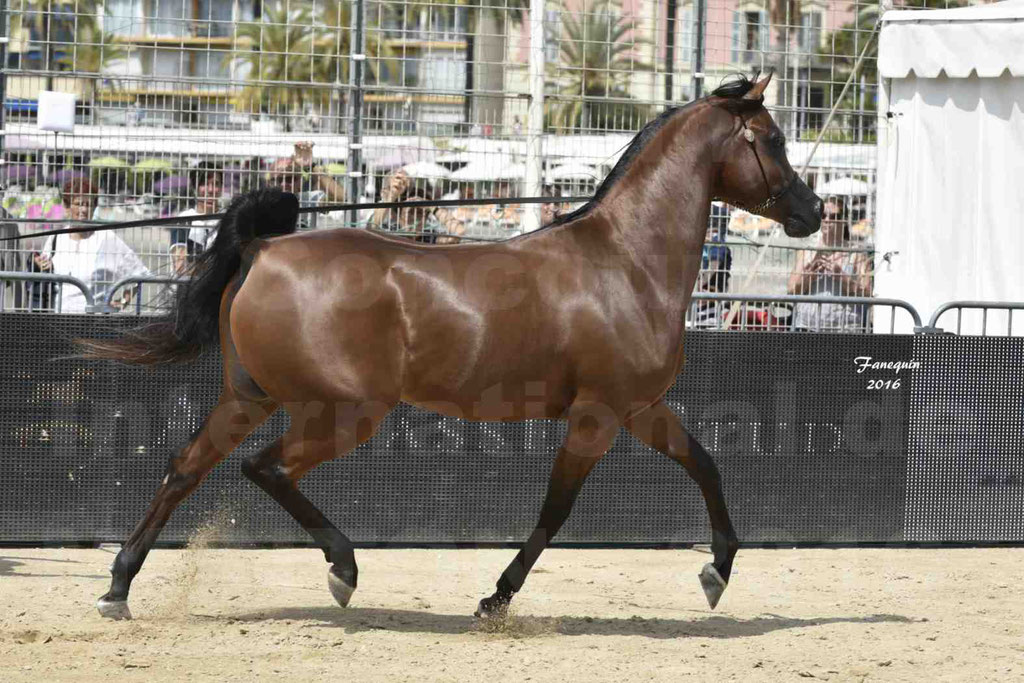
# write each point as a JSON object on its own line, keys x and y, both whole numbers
{"x": 752, "y": 34}
{"x": 214, "y": 18}
{"x": 812, "y": 103}
{"x": 749, "y": 34}
{"x": 442, "y": 73}
{"x": 809, "y": 34}
{"x": 170, "y": 17}
{"x": 686, "y": 33}
{"x": 124, "y": 17}
{"x": 167, "y": 63}
{"x": 213, "y": 64}
{"x": 446, "y": 23}
{"x": 552, "y": 35}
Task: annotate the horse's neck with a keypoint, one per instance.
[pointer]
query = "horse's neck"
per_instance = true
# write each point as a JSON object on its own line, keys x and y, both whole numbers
{"x": 658, "y": 211}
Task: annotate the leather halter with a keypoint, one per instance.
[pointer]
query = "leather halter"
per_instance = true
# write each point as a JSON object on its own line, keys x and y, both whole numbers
{"x": 772, "y": 199}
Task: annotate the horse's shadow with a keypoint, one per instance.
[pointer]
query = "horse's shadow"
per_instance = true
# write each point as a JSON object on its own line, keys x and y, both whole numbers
{"x": 354, "y": 620}
{"x": 8, "y": 564}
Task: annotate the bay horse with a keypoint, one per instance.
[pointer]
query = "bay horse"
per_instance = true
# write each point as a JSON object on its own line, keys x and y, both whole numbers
{"x": 581, "y": 320}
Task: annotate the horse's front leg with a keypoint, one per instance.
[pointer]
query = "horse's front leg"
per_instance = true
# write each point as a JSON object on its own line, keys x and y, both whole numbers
{"x": 592, "y": 428}
{"x": 660, "y": 428}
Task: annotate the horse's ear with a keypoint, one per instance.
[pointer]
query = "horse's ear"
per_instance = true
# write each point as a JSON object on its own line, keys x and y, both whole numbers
{"x": 757, "y": 92}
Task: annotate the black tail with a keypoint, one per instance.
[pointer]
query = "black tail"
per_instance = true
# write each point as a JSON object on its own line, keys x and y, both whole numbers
{"x": 192, "y": 325}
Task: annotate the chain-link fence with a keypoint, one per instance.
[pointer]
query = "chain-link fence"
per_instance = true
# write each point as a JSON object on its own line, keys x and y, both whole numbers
{"x": 181, "y": 104}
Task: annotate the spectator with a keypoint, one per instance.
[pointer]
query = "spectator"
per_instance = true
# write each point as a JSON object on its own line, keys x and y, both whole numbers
{"x": 716, "y": 257}
{"x": 425, "y": 222}
{"x": 549, "y": 211}
{"x": 715, "y": 269}
{"x": 835, "y": 273}
{"x": 98, "y": 260}
{"x": 207, "y": 182}
{"x": 311, "y": 184}
{"x": 453, "y": 220}
{"x": 12, "y": 258}
{"x": 420, "y": 220}
{"x": 394, "y": 188}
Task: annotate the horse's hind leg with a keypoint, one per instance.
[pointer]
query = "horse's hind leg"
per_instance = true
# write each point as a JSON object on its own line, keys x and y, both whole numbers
{"x": 660, "y": 428}
{"x": 278, "y": 468}
{"x": 592, "y": 428}
{"x": 226, "y": 427}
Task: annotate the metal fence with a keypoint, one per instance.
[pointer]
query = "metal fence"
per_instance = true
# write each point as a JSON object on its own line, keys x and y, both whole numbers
{"x": 182, "y": 103}
{"x": 708, "y": 310}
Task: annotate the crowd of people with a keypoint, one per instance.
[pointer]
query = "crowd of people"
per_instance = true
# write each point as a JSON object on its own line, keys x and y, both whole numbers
{"x": 835, "y": 266}
{"x": 101, "y": 258}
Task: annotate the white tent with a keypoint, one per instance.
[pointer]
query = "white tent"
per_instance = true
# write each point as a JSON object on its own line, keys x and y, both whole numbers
{"x": 573, "y": 171}
{"x": 497, "y": 167}
{"x": 951, "y": 152}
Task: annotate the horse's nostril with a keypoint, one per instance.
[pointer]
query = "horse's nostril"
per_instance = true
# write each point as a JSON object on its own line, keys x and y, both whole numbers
{"x": 820, "y": 209}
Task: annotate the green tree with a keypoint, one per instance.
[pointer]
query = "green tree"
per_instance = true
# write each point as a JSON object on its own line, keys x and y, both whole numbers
{"x": 295, "y": 52}
{"x": 590, "y": 84}
{"x": 94, "y": 48}
{"x": 279, "y": 58}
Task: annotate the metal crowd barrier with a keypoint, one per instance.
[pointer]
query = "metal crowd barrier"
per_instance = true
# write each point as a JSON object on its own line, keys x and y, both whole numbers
{"x": 983, "y": 306}
{"x": 139, "y": 281}
{"x": 7, "y": 276}
{"x": 741, "y": 323}
{"x": 742, "y": 320}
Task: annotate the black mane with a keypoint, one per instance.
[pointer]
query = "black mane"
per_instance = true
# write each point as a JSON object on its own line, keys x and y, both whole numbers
{"x": 736, "y": 88}
{"x": 732, "y": 90}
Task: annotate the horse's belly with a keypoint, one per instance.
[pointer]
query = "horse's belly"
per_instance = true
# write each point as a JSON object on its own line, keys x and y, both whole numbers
{"x": 498, "y": 392}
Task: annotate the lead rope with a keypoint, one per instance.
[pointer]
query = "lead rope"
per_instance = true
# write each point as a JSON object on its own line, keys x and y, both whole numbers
{"x": 734, "y": 309}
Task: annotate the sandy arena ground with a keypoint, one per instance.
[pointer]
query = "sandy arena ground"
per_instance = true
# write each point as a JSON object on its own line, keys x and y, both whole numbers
{"x": 616, "y": 615}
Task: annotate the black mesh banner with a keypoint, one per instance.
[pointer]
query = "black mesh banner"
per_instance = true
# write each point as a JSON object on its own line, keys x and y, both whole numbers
{"x": 810, "y": 433}
{"x": 965, "y": 473}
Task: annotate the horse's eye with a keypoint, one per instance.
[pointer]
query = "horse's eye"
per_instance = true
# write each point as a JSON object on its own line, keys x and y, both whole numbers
{"x": 779, "y": 141}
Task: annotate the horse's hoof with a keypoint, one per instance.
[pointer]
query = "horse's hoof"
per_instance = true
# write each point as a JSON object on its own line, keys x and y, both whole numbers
{"x": 113, "y": 609}
{"x": 491, "y": 607}
{"x": 341, "y": 591}
{"x": 712, "y": 583}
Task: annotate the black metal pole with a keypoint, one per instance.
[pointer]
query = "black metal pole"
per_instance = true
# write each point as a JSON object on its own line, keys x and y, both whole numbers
{"x": 670, "y": 48}
{"x": 698, "y": 49}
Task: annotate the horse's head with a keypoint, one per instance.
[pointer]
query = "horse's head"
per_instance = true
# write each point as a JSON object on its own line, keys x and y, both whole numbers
{"x": 754, "y": 171}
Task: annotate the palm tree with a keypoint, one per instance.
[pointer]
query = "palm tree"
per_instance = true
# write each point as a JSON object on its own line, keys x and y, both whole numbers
{"x": 295, "y": 43}
{"x": 94, "y": 48}
{"x": 279, "y": 56}
{"x": 590, "y": 83}
{"x": 333, "y": 44}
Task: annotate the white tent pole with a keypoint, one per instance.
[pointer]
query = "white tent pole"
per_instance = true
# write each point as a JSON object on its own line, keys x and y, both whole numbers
{"x": 734, "y": 309}
{"x": 535, "y": 116}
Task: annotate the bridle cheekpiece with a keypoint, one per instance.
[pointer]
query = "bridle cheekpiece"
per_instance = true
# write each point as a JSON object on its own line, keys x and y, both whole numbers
{"x": 772, "y": 199}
